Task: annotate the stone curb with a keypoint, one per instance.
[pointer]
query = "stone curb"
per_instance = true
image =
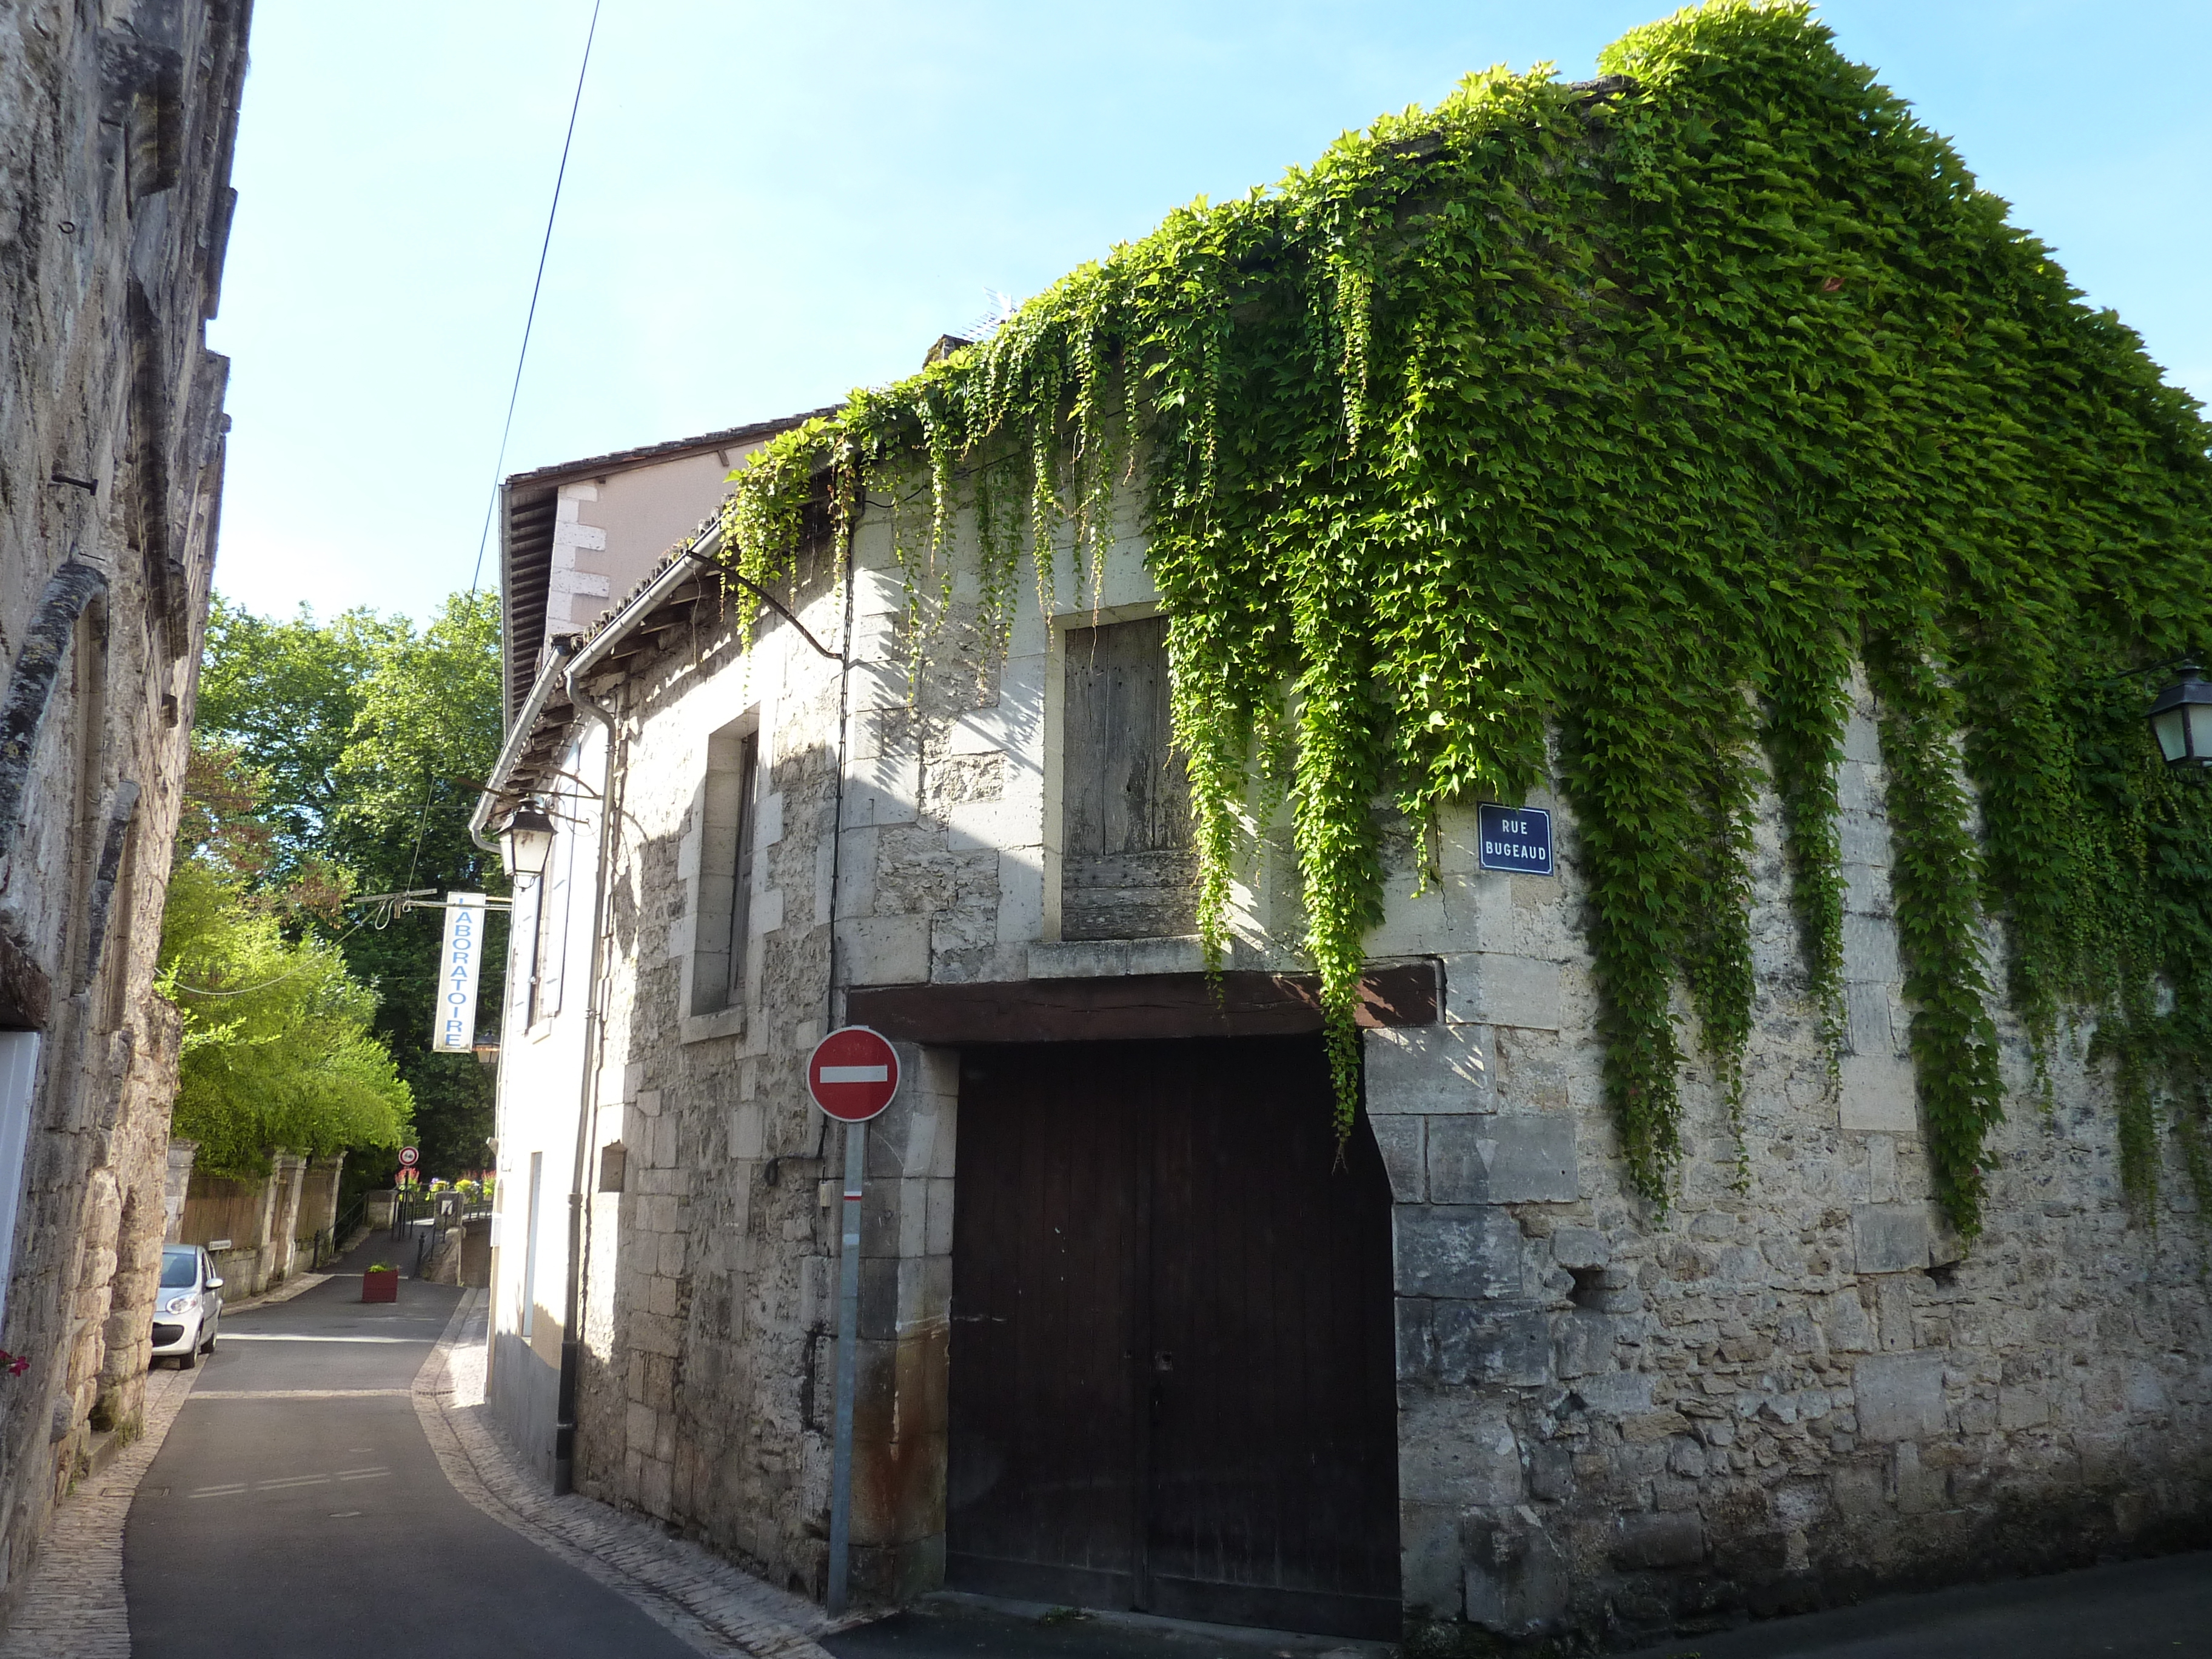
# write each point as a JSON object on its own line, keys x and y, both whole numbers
{"x": 717, "y": 1608}
{"x": 75, "y": 1608}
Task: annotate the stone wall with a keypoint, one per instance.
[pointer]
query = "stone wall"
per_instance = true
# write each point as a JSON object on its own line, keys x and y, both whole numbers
{"x": 1796, "y": 1386}
{"x": 115, "y": 129}
{"x": 708, "y": 1308}
{"x": 1792, "y": 1387}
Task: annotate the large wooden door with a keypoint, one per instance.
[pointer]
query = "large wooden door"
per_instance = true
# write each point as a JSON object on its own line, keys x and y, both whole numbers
{"x": 1171, "y": 1368}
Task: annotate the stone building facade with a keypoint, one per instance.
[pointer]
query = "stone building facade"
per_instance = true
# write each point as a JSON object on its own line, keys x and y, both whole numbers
{"x": 1792, "y": 1387}
{"x": 116, "y": 123}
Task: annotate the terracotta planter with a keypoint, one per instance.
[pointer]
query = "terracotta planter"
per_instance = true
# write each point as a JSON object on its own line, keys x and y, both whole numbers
{"x": 380, "y": 1285}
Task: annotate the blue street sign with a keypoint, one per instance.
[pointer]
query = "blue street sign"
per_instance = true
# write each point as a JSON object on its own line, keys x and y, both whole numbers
{"x": 1515, "y": 838}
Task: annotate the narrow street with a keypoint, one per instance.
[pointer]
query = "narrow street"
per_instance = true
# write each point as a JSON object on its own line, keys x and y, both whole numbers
{"x": 297, "y": 1508}
{"x": 299, "y": 1505}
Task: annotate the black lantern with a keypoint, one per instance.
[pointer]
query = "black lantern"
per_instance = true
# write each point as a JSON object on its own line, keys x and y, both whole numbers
{"x": 527, "y": 840}
{"x": 2181, "y": 719}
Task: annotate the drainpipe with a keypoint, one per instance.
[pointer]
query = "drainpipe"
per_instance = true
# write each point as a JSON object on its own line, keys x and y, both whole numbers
{"x": 572, "y": 1335}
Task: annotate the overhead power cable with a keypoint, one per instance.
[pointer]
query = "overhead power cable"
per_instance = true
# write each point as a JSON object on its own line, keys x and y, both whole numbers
{"x": 514, "y": 392}
{"x": 522, "y": 356}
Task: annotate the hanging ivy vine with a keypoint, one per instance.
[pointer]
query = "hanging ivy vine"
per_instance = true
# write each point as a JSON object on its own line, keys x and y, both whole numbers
{"x": 1636, "y": 413}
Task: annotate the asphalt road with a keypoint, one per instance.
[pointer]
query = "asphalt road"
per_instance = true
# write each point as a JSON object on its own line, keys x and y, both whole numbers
{"x": 325, "y": 1526}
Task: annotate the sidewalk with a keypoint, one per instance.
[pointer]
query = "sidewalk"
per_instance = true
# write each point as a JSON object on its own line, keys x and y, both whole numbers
{"x": 75, "y": 1608}
{"x": 2155, "y": 1609}
{"x": 716, "y": 1607}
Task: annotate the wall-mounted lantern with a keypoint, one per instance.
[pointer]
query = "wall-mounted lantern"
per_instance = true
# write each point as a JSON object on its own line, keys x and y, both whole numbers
{"x": 527, "y": 842}
{"x": 2181, "y": 718}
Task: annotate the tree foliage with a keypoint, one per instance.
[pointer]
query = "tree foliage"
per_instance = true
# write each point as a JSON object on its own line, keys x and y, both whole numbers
{"x": 373, "y": 738}
{"x": 278, "y": 1048}
{"x": 1599, "y": 432}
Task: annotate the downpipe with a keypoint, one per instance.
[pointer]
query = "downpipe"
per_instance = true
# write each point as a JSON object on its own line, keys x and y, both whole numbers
{"x": 572, "y": 1335}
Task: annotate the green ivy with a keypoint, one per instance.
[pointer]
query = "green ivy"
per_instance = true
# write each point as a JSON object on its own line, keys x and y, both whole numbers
{"x": 1627, "y": 417}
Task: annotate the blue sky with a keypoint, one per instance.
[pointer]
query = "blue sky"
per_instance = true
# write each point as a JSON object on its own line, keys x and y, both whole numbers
{"x": 766, "y": 206}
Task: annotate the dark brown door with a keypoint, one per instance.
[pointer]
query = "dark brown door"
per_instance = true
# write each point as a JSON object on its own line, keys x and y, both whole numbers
{"x": 1172, "y": 1381}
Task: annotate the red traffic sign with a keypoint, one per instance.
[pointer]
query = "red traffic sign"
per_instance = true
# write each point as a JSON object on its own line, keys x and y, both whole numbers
{"x": 409, "y": 1158}
{"x": 853, "y": 1074}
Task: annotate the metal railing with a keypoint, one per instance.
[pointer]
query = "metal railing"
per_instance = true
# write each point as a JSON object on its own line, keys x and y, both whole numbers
{"x": 318, "y": 1249}
{"x": 425, "y": 1218}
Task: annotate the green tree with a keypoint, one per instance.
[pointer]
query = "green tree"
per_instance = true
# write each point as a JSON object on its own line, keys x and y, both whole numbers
{"x": 278, "y": 1049}
{"x": 284, "y": 695}
{"x": 373, "y": 738}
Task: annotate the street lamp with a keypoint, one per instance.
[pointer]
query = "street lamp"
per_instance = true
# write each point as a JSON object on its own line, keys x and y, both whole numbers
{"x": 2181, "y": 718}
{"x": 527, "y": 842}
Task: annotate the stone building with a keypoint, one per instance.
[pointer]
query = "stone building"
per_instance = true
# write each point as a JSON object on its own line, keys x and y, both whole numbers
{"x": 1798, "y": 1390}
{"x": 116, "y": 123}
{"x": 1134, "y": 1330}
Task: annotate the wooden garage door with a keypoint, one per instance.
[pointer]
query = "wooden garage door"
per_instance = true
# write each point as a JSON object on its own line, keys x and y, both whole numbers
{"x": 1172, "y": 1360}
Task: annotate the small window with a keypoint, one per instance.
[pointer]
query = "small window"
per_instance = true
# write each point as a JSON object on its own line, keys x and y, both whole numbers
{"x": 1127, "y": 868}
{"x": 726, "y": 870}
{"x": 549, "y": 943}
{"x": 529, "y": 1321}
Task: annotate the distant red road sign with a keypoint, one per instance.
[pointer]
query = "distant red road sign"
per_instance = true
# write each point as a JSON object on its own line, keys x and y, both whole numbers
{"x": 854, "y": 1073}
{"x": 409, "y": 1158}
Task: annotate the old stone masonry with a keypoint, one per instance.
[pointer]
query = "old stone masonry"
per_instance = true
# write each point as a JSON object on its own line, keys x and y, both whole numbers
{"x": 1792, "y": 1387}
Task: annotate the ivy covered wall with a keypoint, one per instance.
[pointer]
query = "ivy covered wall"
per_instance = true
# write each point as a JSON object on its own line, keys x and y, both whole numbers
{"x": 1630, "y": 414}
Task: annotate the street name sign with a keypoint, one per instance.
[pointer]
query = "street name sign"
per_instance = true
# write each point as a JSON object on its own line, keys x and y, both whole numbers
{"x": 1514, "y": 838}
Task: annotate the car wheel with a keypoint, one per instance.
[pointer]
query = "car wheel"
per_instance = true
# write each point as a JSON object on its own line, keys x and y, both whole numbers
{"x": 188, "y": 1359}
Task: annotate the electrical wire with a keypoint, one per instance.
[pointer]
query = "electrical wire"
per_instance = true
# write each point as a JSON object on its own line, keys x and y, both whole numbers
{"x": 522, "y": 356}
{"x": 242, "y": 990}
{"x": 514, "y": 392}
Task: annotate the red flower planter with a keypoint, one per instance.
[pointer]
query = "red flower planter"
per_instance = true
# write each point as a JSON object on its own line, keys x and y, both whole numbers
{"x": 380, "y": 1285}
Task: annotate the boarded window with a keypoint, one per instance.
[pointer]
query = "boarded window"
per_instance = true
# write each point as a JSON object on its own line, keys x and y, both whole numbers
{"x": 1127, "y": 869}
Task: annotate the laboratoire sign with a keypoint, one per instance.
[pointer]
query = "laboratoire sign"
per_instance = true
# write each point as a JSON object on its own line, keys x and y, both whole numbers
{"x": 1515, "y": 838}
{"x": 454, "y": 1026}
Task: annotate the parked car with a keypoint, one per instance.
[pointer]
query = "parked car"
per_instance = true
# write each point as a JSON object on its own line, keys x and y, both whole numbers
{"x": 188, "y": 1306}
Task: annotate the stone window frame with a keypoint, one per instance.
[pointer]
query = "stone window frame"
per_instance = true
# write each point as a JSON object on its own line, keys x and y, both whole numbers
{"x": 1055, "y": 743}
{"x": 722, "y": 881}
{"x": 18, "y": 1100}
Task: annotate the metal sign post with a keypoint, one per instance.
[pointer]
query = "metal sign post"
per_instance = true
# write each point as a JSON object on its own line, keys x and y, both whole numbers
{"x": 853, "y": 1075}
{"x": 848, "y": 1367}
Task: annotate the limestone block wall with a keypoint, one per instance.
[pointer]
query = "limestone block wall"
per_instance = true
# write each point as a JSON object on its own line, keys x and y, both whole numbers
{"x": 1796, "y": 1385}
{"x": 708, "y": 1312}
{"x": 176, "y": 1182}
{"x": 1793, "y": 1386}
{"x": 115, "y": 129}
{"x": 319, "y": 1197}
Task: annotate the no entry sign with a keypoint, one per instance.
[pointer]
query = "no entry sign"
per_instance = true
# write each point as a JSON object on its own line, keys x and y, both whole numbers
{"x": 853, "y": 1074}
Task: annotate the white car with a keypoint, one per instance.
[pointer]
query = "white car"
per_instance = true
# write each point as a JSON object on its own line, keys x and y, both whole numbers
{"x": 187, "y": 1307}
